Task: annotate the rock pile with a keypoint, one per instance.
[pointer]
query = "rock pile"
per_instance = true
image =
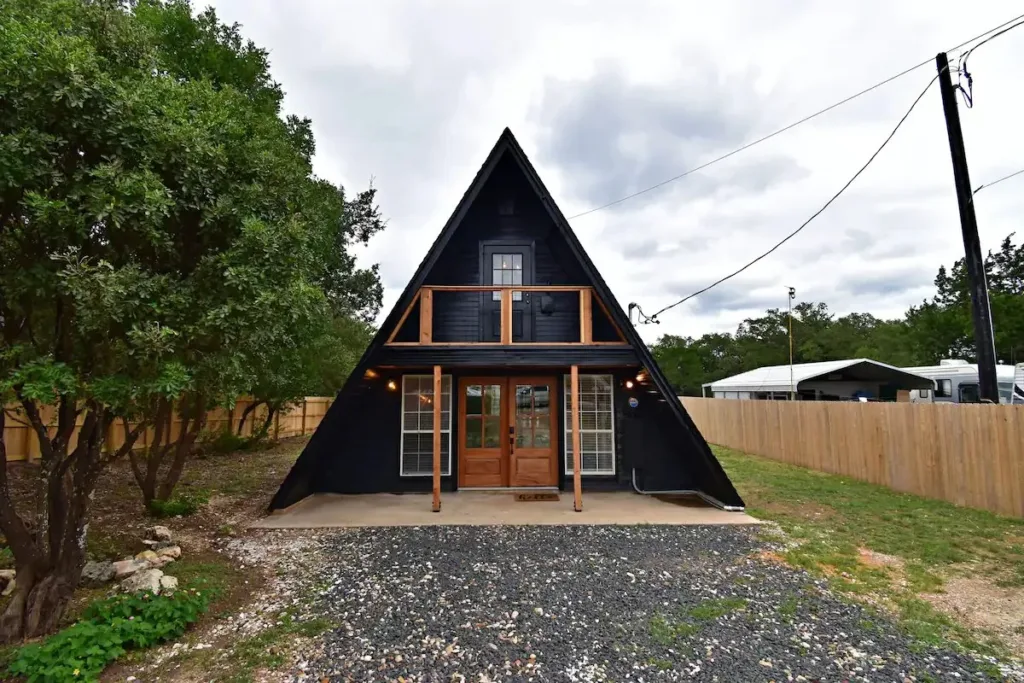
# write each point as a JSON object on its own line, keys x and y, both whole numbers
{"x": 144, "y": 572}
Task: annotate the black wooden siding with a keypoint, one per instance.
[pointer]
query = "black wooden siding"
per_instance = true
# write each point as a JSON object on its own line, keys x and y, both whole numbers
{"x": 456, "y": 316}
{"x": 507, "y": 356}
{"x": 359, "y": 451}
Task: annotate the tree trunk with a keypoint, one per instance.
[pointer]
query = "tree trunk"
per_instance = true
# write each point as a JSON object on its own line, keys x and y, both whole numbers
{"x": 249, "y": 409}
{"x": 38, "y": 604}
{"x": 265, "y": 429}
{"x": 194, "y": 419}
{"x": 49, "y": 559}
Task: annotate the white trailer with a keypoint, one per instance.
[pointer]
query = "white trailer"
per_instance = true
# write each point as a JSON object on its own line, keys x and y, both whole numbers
{"x": 956, "y": 381}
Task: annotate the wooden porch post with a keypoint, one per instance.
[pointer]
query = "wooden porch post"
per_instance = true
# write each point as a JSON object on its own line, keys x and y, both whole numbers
{"x": 426, "y": 316}
{"x": 586, "y": 317}
{"x": 506, "y": 316}
{"x": 437, "y": 438}
{"x": 577, "y": 485}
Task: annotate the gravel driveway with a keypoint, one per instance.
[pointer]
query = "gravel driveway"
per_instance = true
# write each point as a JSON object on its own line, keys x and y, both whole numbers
{"x": 595, "y": 603}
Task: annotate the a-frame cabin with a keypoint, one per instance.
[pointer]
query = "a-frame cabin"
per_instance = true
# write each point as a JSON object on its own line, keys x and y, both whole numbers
{"x": 542, "y": 380}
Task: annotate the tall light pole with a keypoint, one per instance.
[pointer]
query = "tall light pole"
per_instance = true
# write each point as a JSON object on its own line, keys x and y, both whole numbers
{"x": 789, "y": 302}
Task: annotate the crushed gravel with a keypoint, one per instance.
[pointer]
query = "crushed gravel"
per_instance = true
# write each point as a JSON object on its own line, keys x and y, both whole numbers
{"x": 595, "y": 603}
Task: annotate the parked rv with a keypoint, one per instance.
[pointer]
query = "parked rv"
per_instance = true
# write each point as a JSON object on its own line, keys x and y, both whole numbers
{"x": 956, "y": 381}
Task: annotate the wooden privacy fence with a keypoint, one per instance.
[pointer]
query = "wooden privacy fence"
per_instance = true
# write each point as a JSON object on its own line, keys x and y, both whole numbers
{"x": 966, "y": 454}
{"x": 22, "y": 443}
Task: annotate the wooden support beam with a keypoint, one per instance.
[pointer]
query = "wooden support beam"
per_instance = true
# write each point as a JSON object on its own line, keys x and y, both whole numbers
{"x": 405, "y": 315}
{"x": 608, "y": 315}
{"x": 577, "y": 485}
{"x": 426, "y": 315}
{"x": 586, "y": 317}
{"x": 437, "y": 438}
{"x": 506, "y": 316}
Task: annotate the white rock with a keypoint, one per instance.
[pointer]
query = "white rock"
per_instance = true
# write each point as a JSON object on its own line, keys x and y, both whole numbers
{"x": 7, "y": 574}
{"x": 97, "y": 573}
{"x": 171, "y": 551}
{"x": 145, "y": 580}
{"x": 168, "y": 584}
{"x": 160, "y": 561}
{"x": 9, "y": 588}
{"x": 160, "y": 533}
{"x": 125, "y": 568}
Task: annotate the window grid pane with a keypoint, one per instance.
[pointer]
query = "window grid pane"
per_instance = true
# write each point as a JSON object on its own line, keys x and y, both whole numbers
{"x": 417, "y": 444}
{"x": 597, "y": 424}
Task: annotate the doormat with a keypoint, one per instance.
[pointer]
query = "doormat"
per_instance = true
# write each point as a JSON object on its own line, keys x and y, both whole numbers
{"x": 528, "y": 497}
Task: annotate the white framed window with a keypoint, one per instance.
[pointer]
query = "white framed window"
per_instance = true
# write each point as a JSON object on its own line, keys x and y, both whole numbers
{"x": 597, "y": 424}
{"x": 417, "y": 445}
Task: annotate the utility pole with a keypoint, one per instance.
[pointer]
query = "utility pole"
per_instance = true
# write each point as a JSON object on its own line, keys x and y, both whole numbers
{"x": 789, "y": 302}
{"x": 984, "y": 338}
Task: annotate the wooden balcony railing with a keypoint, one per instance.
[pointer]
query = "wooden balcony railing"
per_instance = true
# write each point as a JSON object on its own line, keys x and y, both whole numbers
{"x": 426, "y": 300}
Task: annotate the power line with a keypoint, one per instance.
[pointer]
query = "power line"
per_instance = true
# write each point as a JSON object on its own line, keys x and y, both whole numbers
{"x": 994, "y": 35}
{"x": 962, "y": 71}
{"x": 997, "y": 181}
{"x": 814, "y": 215}
{"x": 827, "y": 109}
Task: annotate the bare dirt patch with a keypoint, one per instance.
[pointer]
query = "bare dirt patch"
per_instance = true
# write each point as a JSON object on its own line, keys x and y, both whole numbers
{"x": 982, "y": 605}
{"x": 872, "y": 558}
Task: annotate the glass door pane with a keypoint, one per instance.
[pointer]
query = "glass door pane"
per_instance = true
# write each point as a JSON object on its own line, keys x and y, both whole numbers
{"x": 483, "y": 416}
{"x": 533, "y": 415}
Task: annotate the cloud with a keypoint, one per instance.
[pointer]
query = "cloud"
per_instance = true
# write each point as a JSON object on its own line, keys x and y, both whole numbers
{"x": 609, "y": 98}
{"x": 613, "y": 136}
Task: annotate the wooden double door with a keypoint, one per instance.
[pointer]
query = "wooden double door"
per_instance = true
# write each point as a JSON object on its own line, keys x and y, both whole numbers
{"x": 507, "y": 431}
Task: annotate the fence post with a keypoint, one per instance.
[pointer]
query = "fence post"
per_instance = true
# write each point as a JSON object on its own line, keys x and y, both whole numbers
{"x": 277, "y": 425}
{"x": 305, "y": 401}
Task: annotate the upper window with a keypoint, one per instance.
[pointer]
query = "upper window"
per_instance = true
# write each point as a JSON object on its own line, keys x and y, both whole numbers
{"x": 597, "y": 425}
{"x": 507, "y": 269}
{"x": 943, "y": 388}
{"x": 417, "y": 449}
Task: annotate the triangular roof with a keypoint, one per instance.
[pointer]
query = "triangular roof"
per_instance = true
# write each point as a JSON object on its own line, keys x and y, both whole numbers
{"x": 721, "y": 489}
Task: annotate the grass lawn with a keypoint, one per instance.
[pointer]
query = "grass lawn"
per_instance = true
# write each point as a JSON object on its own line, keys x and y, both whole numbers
{"x": 891, "y": 548}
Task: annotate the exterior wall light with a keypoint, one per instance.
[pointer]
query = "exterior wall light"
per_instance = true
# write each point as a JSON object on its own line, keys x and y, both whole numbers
{"x": 391, "y": 385}
{"x": 629, "y": 384}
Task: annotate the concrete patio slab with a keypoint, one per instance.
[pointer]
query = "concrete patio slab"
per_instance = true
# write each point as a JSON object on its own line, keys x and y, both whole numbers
{"x": 328, "y": 510}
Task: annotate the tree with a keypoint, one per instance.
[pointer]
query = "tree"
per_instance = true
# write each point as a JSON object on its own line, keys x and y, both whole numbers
{"x": 154, "y": 252}
{"x": 943, "y": 326}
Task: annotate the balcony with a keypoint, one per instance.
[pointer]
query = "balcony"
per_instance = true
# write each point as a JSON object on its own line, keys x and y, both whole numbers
{"x": 494, "y": 315}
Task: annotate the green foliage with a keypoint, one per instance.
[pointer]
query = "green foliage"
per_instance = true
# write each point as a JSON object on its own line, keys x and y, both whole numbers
{"x": 936, "y": 329}
{"x": 182, "y": 505}
{"x": 221, "y": 441}
{"x": 161, "y": 231}
{"x": 6, "y": 558}
{"x": 109, "y": 628}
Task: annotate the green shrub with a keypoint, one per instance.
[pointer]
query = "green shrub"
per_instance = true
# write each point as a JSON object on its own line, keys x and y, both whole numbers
{"x": 220, "y": 442}
{"x": 107, "y": 630}
{"x": 183, "y": 504}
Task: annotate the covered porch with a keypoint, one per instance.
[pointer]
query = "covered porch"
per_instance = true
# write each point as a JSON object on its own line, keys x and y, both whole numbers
{"x": 490, "y": 459}
{"x": 330, "y": 510}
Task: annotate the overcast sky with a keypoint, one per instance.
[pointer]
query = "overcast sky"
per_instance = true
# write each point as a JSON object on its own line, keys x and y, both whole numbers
{"x": 610, "y": 97}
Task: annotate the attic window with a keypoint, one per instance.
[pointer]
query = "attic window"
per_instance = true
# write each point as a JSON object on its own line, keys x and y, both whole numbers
{"x": 506, "y": 207}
